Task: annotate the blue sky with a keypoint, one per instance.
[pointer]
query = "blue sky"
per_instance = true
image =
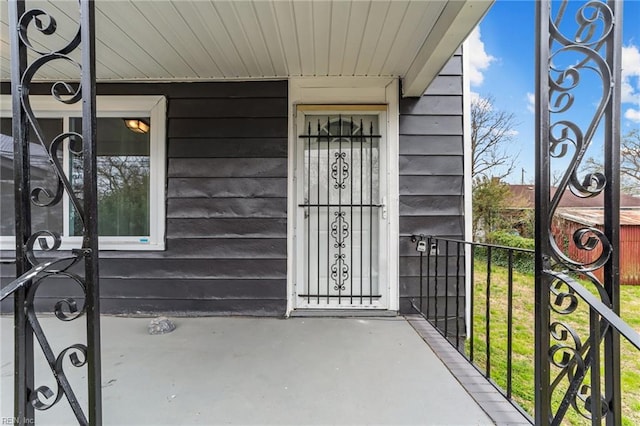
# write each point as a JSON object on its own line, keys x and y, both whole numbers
{"x": 502, "y": 62}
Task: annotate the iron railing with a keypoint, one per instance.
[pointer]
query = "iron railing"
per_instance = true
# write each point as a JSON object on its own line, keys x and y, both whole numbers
{"x": 494, "y": 330}
{"x": 468, "y": 322}
{"x": 37, "y": 259}
{"x": 578, "y": 93}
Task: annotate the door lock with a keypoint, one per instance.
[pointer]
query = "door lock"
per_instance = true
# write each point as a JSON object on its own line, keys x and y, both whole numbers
{"x": 384, "y": 207}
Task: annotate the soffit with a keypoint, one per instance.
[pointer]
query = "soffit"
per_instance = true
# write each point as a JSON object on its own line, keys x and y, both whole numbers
{"x": 182, "y": 40}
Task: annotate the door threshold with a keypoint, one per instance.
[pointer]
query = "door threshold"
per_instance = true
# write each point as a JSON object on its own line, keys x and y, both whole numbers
{"x": 343, "y": 313}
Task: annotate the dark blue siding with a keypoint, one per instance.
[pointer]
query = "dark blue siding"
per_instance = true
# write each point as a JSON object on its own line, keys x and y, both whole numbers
{"x": 431, "y": 173}
{"x": 226, "y": 207}
{"x": 227, "y": 197}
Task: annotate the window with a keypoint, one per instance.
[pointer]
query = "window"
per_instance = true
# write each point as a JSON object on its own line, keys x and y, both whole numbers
{"x": 130, "y": 169}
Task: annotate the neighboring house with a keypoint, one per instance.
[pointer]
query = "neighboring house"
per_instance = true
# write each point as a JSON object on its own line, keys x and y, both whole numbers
{"x": 575, "y": 213}
{"x": 291, "y": 150}
{"x": 523, "y": 196}
{"x": 569, "y": 221}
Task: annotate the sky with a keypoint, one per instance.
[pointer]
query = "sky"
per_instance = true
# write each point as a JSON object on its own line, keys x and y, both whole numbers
{"x": 502, "y": 63}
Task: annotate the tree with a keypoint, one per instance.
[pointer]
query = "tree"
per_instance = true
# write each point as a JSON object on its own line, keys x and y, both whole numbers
{"x": 496, "y": 209}
{"x": 123, "y": 194}
{"x": 629, "y": 163}
{"x": 489, "y": 201}
{"x": 491, "y": 132}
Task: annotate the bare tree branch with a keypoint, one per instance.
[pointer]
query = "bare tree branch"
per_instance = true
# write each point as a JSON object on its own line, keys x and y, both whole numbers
{"x": 491, "y": 132}
{"x": 629, "y": 163}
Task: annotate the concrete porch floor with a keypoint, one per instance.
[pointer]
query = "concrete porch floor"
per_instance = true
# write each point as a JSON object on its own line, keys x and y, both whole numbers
{"x": 246, "y": 371}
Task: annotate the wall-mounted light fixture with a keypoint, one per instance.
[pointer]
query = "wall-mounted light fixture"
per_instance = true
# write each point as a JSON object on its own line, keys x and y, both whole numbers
{"x": 136, "y": 125}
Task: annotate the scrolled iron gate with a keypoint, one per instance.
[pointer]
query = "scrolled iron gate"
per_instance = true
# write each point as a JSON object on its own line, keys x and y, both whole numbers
{"x": 343, "y": 208}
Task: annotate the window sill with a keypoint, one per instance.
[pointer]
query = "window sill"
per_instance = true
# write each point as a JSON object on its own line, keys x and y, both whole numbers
{"x": 104, "y": 244}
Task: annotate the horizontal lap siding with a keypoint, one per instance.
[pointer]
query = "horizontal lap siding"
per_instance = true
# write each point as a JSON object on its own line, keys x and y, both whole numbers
{"x": 432, "y": 181}
{"x": 226, "y": 225}
{"x": 226, "y": 198}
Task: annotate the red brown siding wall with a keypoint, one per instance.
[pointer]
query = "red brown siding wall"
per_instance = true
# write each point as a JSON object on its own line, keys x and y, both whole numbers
{"x": 564, "y": 229}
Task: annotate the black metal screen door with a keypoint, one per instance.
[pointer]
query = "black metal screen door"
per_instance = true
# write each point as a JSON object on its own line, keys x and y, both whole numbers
{"x": 342, "y": 211}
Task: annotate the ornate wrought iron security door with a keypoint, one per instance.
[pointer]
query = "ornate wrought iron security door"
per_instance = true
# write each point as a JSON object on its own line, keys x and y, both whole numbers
{"x": 343, "y": 211}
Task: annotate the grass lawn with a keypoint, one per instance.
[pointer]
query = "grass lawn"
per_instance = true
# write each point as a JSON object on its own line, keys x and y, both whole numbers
{"x": 523, "y": 339}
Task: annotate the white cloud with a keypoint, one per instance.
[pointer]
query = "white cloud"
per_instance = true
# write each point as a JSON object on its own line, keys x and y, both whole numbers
{"x": 474, "y": 96}
{"x": 531, "y": 102}
{"x": 631, "y": 72}
{"x": 632, "y": 115}
{"x": 479, "y": 59}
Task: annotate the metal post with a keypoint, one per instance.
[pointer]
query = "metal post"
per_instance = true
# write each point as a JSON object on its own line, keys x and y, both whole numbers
{"x": 27, "y": 130}
{"x": 23, "y": 355}
{"x": 596, "y": 40}
{"x": 542, "y": 410}
{"x": 90, "y": 237}
{"x": 611, "y": 215}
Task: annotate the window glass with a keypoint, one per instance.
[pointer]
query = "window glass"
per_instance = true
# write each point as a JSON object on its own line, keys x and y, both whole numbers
{"x": 42, "y": 176}
{"x": 123, "y": 179}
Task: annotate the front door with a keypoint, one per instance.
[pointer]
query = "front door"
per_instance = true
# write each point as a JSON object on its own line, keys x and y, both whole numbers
{"x": 341, "y": 210}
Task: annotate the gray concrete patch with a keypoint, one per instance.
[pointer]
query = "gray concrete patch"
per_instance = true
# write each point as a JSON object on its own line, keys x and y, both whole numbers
{"x": 242, "y": 371}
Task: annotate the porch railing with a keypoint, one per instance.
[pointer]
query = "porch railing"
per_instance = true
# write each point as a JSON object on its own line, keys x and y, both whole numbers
{"x": 36, "y": 246}
{"x": 495, "y": 332}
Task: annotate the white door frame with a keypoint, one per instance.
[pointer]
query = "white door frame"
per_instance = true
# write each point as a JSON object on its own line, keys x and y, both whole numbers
{"x": 335, "y": 92}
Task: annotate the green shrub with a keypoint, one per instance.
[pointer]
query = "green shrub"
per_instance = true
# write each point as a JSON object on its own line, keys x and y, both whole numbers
{"x": 522, "y": 261}
{"x": 505, "y": 238}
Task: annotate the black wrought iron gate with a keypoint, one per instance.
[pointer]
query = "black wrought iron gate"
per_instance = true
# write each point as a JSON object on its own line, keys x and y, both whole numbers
{"x": 342, "y": 210}
{"x": 37, "y": 256}
{"x": 578, "y": 51}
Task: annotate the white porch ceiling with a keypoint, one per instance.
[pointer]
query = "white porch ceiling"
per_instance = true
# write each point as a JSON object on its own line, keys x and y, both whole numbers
{"x": 181, "y": 40}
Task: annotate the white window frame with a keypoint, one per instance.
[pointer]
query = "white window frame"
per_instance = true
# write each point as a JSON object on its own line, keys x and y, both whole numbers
{"x": 155, "y": 108}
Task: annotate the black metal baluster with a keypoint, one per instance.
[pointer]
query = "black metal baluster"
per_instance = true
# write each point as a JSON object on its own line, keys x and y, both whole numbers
{"x": 472, "y": 254}
{"x": 361, "y": 210}
{"x": 340, "y": 225}
{"x": 351, "y": 141}
{"x": 308, "y": 212}
{"x": 435, "y": 284}
{"x": 420, "y": 282}
{"x": 487, "y": 327}
{"x": 370, "y": 212}
{"x": 509, "y": 322}
{"x": 429, "y": 242}
{"x": 595, "y": 399}
{"x": 328, "y": 208}
{"x": 458, "y": 244}
{"x": 319, "y": 232}
{"x": 446, "y": 289}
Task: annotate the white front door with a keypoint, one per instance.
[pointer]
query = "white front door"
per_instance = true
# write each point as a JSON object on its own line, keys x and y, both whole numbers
{"x": 341, "y": 220}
